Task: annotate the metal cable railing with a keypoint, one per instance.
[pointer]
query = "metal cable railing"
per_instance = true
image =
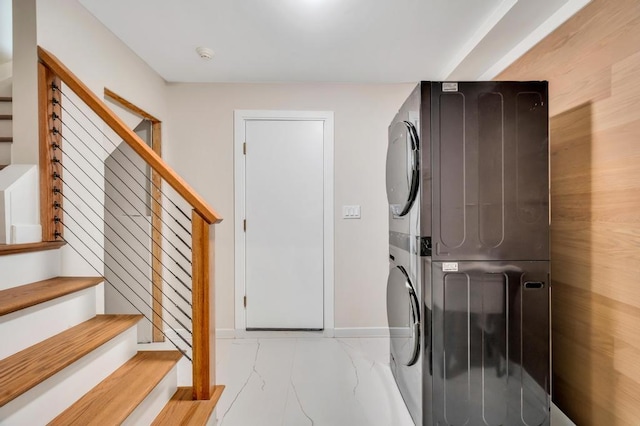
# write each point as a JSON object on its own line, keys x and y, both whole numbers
{"x": 83, "y": 143}
{"x": 96, "y": 215}
{"x": 153, "y": 248}
{"x": 131, "y": 162}
{"x": 110, "y": 198}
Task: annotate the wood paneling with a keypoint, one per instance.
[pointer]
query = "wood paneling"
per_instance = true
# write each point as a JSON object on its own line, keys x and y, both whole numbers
{"x": 592, "y": 63}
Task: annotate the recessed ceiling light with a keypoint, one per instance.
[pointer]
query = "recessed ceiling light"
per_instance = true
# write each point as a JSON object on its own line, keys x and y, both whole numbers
{"x": 205, "y": 52}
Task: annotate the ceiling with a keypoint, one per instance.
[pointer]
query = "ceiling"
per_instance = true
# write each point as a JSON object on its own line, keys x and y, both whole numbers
{"x": 387, "y": 41}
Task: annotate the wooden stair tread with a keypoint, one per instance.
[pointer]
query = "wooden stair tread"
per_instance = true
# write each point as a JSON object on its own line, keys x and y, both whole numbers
{"x": 183, "y": 410}
{"x": 115, "y": 398}
{"x": 24, "y": 296}
{"x": 6, "y": 249}
{"x": 6, "y": 99}
{"x": 6, "y": 117}
{"x": 6, "y": 138}
{"x": 2, "y": 166}
{"x": 25, "y": 369}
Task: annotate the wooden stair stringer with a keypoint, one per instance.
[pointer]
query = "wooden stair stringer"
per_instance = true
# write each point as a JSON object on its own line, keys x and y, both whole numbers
{"x": 26, "y": 369}
{"x": 117, "y": 396}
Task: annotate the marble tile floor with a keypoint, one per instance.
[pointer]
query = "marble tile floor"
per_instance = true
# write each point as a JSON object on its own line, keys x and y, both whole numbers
{"x": 316, "y": 381}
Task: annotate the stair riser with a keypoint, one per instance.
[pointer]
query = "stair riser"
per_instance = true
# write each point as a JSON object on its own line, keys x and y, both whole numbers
{"x": 44, "y": 402}
{"x": 147, "y": 411}
{"x": 6, "y": 108}
{"x": 25, "y": 268}
{"x": 29, "y": 326}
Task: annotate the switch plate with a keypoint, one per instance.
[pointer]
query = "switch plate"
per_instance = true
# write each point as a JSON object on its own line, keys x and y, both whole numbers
{"x": 351, "y": 212}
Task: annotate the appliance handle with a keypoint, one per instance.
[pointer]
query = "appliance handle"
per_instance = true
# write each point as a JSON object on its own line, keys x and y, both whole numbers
{"x": 415, "y": 167}
{"x": 414, "y": 135}
{"x": 415, "y": 327}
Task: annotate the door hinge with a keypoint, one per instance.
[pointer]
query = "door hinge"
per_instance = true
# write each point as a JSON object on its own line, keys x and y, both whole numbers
{"x": 244, "y": 225}
{"x": 244, "y": 148}
{"x": 245, "y": 301}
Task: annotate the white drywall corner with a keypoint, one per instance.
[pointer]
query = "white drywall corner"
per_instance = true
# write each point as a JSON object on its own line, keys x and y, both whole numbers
{"x": 19, "y": 213}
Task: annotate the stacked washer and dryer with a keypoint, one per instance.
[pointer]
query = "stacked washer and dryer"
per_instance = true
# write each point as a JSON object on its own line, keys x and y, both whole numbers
{"x": 468, "y": 293}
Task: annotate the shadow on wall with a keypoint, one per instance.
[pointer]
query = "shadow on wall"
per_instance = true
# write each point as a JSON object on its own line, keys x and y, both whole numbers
{"x": 577, "y": 329}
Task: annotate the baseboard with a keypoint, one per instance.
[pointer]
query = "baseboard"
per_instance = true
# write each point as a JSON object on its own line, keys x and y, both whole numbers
{"x": 225, "y": 333}
{"x": 362, "y": 332}
{"x": 230, "y": 333}
{"x": 273, "y": 334}
{"x": 221, "y": 333}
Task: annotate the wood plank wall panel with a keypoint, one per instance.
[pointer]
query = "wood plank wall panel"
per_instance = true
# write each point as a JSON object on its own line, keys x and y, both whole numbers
{"x": 592, "y": 63}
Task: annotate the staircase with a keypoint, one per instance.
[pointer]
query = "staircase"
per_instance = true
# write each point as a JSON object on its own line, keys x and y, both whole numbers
{"x": 64, "y": 363}
{"x": 62, "y": 360}
{"x": 6, "y": 132}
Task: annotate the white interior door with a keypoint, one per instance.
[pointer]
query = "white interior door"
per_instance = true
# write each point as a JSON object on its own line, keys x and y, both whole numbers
{"x": 284, "y": 256}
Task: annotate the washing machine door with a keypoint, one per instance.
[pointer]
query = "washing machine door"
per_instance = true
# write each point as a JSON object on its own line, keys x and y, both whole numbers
{"x": 403, "y": 313}
{"x": 402, "y": 167}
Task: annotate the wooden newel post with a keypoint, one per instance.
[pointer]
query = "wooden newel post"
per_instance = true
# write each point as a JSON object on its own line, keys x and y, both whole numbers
{"x": 50, "y": 156}
{"x": 204, "y": 341}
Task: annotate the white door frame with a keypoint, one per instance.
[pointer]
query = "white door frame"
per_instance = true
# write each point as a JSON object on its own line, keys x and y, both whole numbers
{"x": 240, "y": 119}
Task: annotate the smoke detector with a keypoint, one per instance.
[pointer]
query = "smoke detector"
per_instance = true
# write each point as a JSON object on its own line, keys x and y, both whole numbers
{"x": 205, "y": 53}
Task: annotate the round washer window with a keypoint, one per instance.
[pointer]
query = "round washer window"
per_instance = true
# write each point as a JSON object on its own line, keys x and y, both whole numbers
{"x": 402, "y": 167}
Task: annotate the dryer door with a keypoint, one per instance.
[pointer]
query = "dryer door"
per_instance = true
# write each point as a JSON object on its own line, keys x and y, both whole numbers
{"x": 403, "y": 313}
{"x": 402, "y": 167}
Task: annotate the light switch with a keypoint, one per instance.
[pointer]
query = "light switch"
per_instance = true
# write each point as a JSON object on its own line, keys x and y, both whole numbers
{"x": 351, "y": 212}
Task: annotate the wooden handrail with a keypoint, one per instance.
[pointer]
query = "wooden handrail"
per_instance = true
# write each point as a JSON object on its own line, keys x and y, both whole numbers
{"x": 142, "y": 149}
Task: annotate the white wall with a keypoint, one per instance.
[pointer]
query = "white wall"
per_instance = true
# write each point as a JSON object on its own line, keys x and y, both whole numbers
{"x": 97, "y": 56}
{"x": 198, "y": 142}
{"x": 201, "y": 150}
{"x": 99, "y": 59}
{"x": 25, "y": 83}
{"x": 6, "y": 31}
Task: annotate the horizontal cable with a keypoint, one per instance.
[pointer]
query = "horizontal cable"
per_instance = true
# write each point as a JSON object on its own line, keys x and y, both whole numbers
{"x": 184, "y": 352}
{"x": 112, "y": 200}
{"x": 126, "y": 270}
{"x": 123, "y": 240}
{"x": 116, "y": 145}
{"x": 181, "y": 211}
{"x": 116, "y": 218}
{"x": 114, "y": 173}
